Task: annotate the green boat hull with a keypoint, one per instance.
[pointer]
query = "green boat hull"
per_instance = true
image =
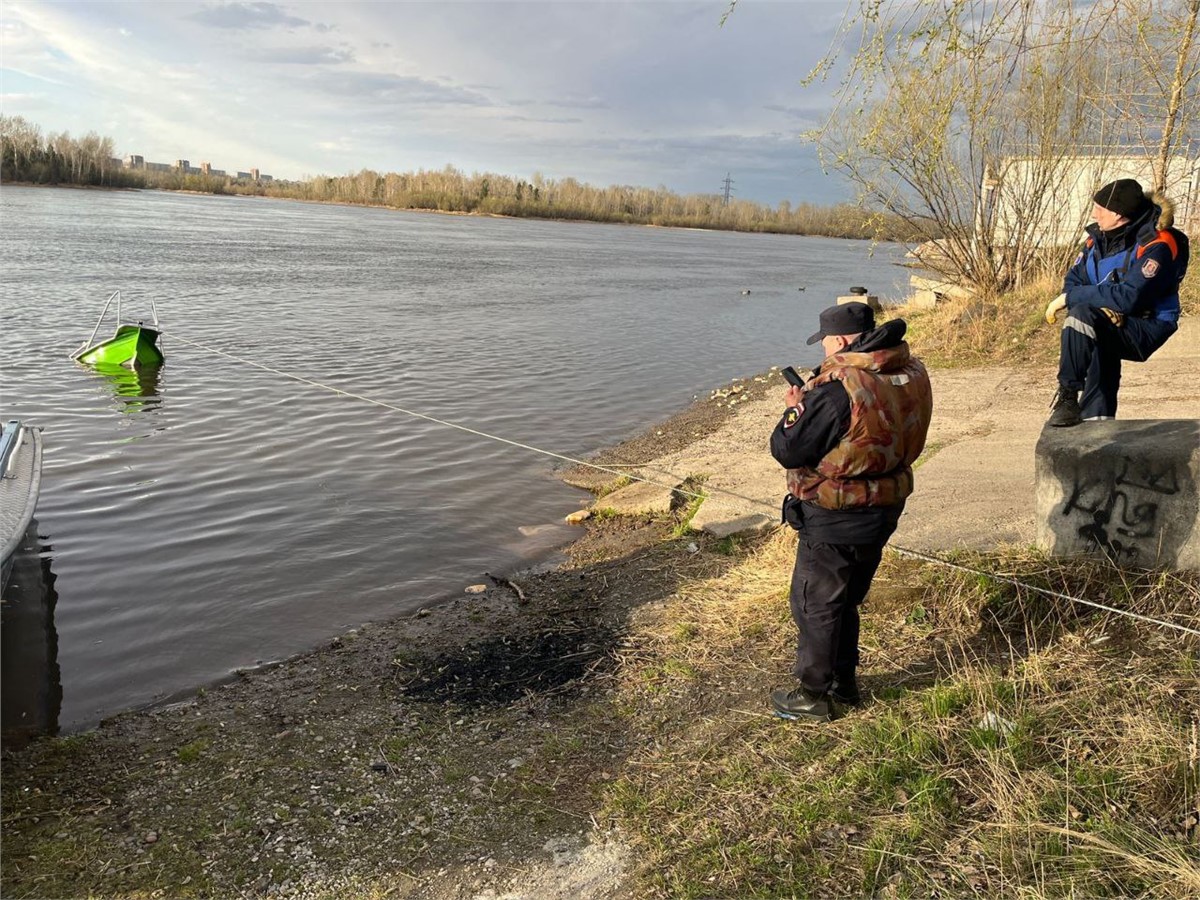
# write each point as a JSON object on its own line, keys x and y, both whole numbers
{"x": 131, "y": 345}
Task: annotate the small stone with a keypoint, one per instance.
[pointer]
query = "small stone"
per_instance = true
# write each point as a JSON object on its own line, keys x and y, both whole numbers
{"x": 422, "y": 612}
{"x": 579, "y": 516}
{"x": 476, "y": 588}
{"x": 150, "y": 838}
{"x": 997, "y": 723}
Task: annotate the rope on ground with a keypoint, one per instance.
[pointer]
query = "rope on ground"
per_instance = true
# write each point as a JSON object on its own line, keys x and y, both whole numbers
{"x": 916, "y": 554}
{"x": 613, "y": 469}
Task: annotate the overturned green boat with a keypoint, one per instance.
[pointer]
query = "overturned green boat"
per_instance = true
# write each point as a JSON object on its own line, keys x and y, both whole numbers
{"x": 132, "y": 345}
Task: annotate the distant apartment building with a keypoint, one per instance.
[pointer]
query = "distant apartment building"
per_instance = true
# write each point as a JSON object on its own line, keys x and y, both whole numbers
{"x": 185, "y": 167}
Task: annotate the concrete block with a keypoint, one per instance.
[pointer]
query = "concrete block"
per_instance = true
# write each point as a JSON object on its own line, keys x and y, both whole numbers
{"x": 871, "y": 300}
{"x": 639, "y": 498}
{"x": 943, "y": 290}
{"x": 1125, "y": 489}
{"x": 721, "y": 518}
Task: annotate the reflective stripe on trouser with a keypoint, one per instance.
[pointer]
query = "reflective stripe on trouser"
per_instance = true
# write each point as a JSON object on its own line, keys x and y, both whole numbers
{"x": 829, "y": 582}
{"x": 1091, "y": 352}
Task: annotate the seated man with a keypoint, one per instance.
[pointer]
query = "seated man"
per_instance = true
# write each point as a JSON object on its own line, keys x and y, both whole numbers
{"x": 1121, "y": 297}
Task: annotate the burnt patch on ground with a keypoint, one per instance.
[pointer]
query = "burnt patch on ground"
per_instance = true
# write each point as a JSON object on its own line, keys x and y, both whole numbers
{"x": 500, "y": 671}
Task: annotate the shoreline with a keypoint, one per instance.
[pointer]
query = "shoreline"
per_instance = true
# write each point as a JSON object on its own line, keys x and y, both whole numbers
{"x": 594, "y": 739}
{"x": 283, "y": 707}
{"x": 449, "y": 212}
{"x": 669, "y": 435}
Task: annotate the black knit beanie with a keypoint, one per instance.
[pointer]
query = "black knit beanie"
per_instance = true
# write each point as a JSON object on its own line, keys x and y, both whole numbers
{"x": 1124, "y": 197}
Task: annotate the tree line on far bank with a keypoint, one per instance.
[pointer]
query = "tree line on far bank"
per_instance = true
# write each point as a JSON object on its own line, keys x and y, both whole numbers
{"x": 28, "y": 156}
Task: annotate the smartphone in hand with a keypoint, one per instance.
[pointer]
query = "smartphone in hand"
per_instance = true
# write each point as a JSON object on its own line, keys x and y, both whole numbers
{"x": 791, "y": 376}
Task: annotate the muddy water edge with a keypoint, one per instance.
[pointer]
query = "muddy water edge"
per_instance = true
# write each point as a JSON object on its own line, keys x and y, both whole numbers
{"x": 452, "y": 751}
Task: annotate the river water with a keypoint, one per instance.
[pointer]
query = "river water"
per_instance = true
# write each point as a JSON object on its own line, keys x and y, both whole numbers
{"x": 213, "y": 515}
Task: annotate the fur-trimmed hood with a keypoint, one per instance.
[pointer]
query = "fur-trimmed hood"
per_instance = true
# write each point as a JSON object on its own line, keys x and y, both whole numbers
{"x": 1166, "y": 209}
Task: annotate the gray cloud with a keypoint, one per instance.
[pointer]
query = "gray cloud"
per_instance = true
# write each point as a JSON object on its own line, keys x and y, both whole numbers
{"x": 588, "y": 103}
{"x": 248, "y": 15}
{"x": 800, "y": 113}
{"x": 303, "y": 56}
{"x": 515, "y": 118}
{"x": 387, "y": 88}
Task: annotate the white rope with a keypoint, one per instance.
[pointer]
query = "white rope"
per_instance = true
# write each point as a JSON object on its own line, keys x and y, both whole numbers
{"x": 916, "y": 554}
{"x": 437, "y": 421}
{"x": 613, "y": 470}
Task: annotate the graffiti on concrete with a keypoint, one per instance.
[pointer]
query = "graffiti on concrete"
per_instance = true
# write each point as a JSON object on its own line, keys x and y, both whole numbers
{"x": 1120, "y": 509}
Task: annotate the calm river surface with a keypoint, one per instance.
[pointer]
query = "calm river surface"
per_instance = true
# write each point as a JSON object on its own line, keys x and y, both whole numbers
{"x": 218, "y": 515}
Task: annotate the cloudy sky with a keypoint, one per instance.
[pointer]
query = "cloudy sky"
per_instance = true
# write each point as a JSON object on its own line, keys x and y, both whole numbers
{"x": 645, "y": 93}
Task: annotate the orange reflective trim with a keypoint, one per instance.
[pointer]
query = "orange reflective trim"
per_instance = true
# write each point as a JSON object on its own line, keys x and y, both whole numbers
{"x": 1163, "y": 237}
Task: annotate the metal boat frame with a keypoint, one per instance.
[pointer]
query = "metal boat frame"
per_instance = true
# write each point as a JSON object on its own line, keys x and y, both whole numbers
{"x": 88, "y": 345}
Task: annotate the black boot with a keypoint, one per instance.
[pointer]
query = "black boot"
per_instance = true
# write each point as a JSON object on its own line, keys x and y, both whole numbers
{"x": 800, "y": 704}
{"x": 1064, "y": 408}
{"x": 845, "y": 690}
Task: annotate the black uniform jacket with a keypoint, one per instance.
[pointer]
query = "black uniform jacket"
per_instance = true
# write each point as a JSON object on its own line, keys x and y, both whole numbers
{"x": 819, "y": 427}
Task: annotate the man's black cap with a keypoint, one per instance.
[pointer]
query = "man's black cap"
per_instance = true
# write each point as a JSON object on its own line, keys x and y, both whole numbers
{"x": 845, "y": 318}
{"x": 1124, "y": 197}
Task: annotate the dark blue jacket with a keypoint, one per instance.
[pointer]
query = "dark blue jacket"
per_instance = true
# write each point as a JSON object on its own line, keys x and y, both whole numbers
{"x": 1136, "y": 270}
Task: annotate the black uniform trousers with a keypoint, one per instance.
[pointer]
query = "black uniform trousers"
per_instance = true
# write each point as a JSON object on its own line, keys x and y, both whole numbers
{"x": 1092, "y": 350}
{"x": 829, "y": 583}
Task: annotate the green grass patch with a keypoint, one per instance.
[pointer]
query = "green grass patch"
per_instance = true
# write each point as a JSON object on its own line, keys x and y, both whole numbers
{"x": 191, "y": 751}
{"x": 614, "y": 485}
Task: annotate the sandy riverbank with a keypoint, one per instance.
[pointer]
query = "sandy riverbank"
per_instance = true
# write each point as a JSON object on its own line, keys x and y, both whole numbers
{"x": 471, "y": 750}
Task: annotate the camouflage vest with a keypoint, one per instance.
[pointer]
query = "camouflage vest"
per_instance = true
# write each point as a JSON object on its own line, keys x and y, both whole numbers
{"x": 891, "y": 403}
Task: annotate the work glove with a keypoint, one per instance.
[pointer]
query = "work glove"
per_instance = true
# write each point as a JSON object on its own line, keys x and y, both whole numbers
{"x": 1057, "y": 304}
{"x": 1115, "y": 317}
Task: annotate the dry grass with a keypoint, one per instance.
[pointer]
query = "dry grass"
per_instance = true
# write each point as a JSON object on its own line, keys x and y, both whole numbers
{"x": 1189, "y": 296}
{"x": 1014, "y": 746}
{"x": 981, "y": 330}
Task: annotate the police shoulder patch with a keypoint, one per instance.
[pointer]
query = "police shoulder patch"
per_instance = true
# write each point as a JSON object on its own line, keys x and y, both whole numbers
{"x": 1150, "y": 268}
{"x": 792, "y": 416}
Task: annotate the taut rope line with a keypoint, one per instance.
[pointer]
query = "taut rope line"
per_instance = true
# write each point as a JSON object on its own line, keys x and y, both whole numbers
{"x": 751, "y": 501}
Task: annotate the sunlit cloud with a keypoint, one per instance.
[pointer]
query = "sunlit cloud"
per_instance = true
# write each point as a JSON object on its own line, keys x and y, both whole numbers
{"x": 629, "y": 93}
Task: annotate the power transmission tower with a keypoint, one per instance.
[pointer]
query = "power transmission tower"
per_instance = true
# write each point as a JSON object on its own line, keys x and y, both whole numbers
{"x": 728, "y": 185}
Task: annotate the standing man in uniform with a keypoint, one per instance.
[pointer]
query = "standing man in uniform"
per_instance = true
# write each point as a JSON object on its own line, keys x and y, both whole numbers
{"x": 1121, "y": 297}
{"x": 848, "y": 438}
